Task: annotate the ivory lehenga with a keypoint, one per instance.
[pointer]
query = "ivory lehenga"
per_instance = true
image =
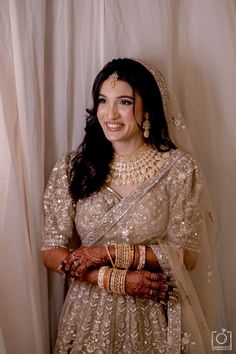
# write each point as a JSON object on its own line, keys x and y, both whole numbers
{"x": 163, "y": 212}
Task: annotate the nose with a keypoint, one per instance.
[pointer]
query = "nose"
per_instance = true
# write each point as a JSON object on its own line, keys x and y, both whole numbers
{"x": 113, "y": 112}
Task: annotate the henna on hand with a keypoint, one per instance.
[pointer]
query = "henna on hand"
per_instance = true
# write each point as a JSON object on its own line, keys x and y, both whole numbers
{"x": 83, "y": 259}
{"x": 147, "y": 285}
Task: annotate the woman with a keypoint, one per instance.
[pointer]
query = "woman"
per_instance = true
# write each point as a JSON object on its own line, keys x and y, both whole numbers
{"x": 133, "y": 199}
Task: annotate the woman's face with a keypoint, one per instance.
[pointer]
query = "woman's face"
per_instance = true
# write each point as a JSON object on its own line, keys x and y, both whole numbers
{"x": 118, "y": 114}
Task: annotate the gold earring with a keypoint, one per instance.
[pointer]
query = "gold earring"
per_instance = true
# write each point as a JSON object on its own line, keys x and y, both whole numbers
{"x": 146, "y": 125}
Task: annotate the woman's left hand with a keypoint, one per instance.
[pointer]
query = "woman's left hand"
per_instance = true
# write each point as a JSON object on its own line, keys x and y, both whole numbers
{"x": 83, "y": 259}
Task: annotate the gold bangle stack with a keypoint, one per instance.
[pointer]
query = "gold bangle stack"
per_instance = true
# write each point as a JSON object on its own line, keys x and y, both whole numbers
{"x": 124, "y": 256}
{"x": 117, "y": 281}
{"x": 128, "y": 256}
{"x": 112, "y": 279}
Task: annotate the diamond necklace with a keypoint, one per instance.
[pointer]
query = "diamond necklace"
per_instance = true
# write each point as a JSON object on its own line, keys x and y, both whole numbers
{"x": 137, "y": 167}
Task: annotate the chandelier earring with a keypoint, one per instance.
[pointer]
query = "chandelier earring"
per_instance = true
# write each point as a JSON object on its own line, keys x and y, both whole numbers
{"x": 146, "y": 126}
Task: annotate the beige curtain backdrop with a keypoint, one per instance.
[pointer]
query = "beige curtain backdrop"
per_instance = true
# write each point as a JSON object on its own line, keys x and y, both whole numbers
{"x": 50, "y": 52}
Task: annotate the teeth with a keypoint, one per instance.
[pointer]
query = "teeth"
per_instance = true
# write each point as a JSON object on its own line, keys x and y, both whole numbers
{"x": 113, "y": 125}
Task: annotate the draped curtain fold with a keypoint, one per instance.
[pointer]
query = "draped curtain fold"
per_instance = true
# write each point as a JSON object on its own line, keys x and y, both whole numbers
{"x": 50, "y": 52}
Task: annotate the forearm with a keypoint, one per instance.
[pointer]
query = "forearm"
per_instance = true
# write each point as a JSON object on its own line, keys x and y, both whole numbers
{"x": 53, "y": 257}
{"x": 151, "y": 261}
{"x": 90, "y": 276}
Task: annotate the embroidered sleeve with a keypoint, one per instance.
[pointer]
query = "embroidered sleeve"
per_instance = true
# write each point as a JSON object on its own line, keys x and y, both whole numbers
{"x": 59, "y": 208}
{"x": 185, "y": 218}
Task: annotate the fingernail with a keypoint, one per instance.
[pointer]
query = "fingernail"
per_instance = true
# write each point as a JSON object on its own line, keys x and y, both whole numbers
{"x": 172, "y": 298}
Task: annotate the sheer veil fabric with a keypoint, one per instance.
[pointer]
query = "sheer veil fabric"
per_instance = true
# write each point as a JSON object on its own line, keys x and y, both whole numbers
{"x": 50, "y": 52}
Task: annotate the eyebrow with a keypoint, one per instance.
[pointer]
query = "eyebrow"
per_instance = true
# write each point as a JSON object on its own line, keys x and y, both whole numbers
{"x": 122, "y": 96}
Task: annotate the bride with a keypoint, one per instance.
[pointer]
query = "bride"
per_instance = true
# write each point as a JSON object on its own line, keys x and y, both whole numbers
{"x": 134, "y": 200}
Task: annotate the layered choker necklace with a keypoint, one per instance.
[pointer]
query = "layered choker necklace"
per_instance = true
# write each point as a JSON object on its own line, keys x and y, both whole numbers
{"x": 137, "y": 167}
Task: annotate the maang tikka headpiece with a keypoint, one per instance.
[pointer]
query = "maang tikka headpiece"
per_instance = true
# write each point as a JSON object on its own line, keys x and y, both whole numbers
{"x": 112, "y": 79}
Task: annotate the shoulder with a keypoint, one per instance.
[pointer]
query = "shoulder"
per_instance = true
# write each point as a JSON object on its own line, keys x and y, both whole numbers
{"x": 183, "y": 167}
{"x": 65, "y": 161}
{"x": 60, "y": 173}
{"x": 183, "y": 161}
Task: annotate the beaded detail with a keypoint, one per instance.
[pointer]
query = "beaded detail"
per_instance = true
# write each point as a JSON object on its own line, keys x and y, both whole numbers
{"x": 136, "y": 168}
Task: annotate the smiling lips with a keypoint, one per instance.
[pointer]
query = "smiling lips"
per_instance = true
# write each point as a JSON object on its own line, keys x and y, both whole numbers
{"x": 113, "y": 126}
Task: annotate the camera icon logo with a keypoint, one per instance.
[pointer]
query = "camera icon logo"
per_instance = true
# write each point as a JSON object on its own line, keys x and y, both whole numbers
{"x": 221, "y": 340}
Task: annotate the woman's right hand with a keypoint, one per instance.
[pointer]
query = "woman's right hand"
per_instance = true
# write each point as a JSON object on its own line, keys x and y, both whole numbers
{"x": 148, "y": 285}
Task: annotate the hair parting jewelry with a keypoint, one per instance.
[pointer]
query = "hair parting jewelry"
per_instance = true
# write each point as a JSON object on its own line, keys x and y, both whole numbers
{"x": 112, "y": 79}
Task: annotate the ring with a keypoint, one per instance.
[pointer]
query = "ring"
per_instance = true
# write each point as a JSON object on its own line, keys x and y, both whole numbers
{"x": 76, "y": 263}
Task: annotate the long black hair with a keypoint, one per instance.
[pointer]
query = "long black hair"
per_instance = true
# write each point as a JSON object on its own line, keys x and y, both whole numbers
{"x": 90, "y": 166}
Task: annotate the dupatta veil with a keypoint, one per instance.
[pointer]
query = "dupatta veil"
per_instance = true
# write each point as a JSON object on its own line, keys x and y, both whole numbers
{"x": 197, "y": 287}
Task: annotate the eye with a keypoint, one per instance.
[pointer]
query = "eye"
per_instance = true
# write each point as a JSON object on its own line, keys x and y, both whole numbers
{"x": 101, "y": 100}
{"x": 126, "y": 102}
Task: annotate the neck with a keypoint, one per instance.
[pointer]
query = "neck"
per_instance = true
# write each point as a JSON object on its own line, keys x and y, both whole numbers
{"x": 126, "y": 148}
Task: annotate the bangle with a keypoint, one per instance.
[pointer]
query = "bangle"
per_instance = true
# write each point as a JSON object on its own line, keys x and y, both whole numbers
{"x": 123, "y": 256}
{"x": 101, "y": 273}
{"x": 142, "y": 257}
{"x": 109, "y": 255}
{"x": 117, "y": 281}
{"x": 107, "y": 278}
{"x": 136, "y": 256}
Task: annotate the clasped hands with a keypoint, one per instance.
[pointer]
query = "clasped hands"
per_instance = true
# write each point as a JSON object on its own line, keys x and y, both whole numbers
{"x": 140, "y": 283}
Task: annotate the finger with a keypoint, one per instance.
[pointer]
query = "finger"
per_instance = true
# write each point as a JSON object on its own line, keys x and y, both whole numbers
{"x": 173, "y": 293}
{"x": 159, "y": 286}
{"x": 163, "y": 302}
{"x": 75, "y": 265}
{"x": 173, "y": 298}
{"x": 70, "y": 260}
{"x": 149, "y": 297}
{"x": 156, "y": 276}
{"x": 78, "y": 271}
{"x": 162, "y": 295}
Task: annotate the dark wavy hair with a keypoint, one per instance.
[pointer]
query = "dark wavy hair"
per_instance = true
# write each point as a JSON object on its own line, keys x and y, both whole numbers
{"x": 90, "y": 166}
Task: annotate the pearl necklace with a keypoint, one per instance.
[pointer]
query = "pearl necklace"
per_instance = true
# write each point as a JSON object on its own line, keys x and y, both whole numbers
{"x": 137, "y": 167}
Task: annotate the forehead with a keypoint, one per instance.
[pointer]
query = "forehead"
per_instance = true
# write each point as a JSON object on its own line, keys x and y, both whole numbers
{"x": 120, "y": 88}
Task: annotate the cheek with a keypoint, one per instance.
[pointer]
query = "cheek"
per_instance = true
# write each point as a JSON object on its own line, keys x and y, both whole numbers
{"x": 139, "y": 114}
{"x": 100, "y": 113}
